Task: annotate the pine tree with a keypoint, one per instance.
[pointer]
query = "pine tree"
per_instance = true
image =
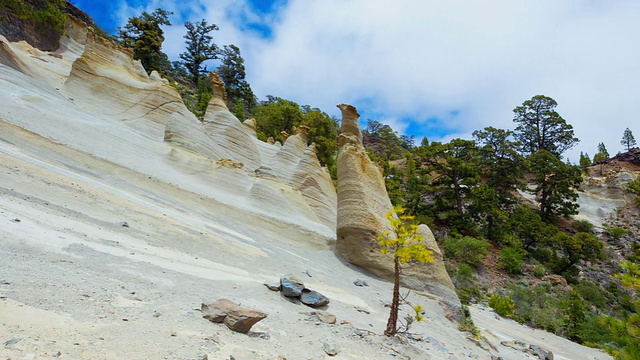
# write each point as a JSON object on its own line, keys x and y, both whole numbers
{"x": 200, "y": 47}
{"x": 627, "y": 139}
{"x": 144, "y": 35}
{"x": 540, "y": 127}
{"x": 585, "y": 161}
{"x": 232, "y": 73}
{"x": 602, "y": 150}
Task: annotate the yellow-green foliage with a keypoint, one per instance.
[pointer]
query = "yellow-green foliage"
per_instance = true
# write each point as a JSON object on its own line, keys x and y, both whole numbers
{"x": 404, "y": 243}
{"x": 504, "y": 306}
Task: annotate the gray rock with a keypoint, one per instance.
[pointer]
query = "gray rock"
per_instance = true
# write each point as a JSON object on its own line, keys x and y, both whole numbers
{"x": 273, "y": 286}
{"x": 291, "y": 286}
{"x": 124, "y": 224}
{"x": 437, "y": 343}
{"x": 12, "y": 341}
{"x": 330, "y": 348}
{"x": 359, "y": 282}
{"x": 540, "y": 352}
{"x": 313, "y": 298}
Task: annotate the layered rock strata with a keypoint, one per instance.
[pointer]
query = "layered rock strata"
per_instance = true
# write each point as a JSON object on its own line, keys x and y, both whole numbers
{"x": 363, "y": 203}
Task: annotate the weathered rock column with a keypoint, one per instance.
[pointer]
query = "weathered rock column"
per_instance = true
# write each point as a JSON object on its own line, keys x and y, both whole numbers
{"x": 363, "y": 203}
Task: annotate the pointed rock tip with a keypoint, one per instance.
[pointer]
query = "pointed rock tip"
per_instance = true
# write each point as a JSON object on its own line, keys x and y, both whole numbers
{"x": 217, "y": 86}
{"x": 348, "y": 110}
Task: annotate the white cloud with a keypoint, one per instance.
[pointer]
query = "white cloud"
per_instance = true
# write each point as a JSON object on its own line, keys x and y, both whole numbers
{"x": 431, "y": 59}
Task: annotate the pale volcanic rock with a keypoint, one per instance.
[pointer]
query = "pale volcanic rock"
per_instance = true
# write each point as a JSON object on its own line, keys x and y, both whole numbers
{"x": 362, "y": 200}
{"x": 189, "y": 134}
{"x": 127, "y": 93}
{"x": 227, "y": 131}
{"x": 363, "y": 203}
{"x": 601, "y": 194}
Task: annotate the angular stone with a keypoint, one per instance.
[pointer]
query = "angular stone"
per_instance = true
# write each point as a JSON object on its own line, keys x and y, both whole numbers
{"x": 217, "y": 311}
{"x": 325, "y": 317}
{"x": 241, "y": 319}
{"x": 234, "y": 316}
{"x": 313, "y": 298}
{"x": 291, "y": 286}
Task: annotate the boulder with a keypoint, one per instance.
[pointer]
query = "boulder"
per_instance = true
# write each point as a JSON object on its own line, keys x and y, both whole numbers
{"x": 234, "y": 316}
{"x": 313, "y": 298}
{"x": 291, "y": 286}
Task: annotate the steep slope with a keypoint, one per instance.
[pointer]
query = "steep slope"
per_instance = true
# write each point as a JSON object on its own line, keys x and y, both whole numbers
{"x": 120, "y": 213}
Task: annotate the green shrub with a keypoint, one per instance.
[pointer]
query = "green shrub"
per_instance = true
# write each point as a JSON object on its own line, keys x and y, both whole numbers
{"x": 538, "y": 306}
{"x": 504, "y": 306}
{"x": 616, "y": 232}
{"x": 52, "y": 16}
{"x": 511, "y": 260}
{"x": 592, "y": 294}
{"x": 464, "y": 273}
{"x": 539, "y": 271}
{"x": 583, "y": 226}
{"x": 467, "y": 323}
{"x": 466, "y": 250}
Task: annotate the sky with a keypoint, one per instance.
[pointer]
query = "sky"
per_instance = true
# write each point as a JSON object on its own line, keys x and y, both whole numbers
{"x": 434, "y": 68}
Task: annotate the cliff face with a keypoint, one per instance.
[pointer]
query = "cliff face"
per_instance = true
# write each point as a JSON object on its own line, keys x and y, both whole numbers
{"x": 106, "y": 104}
{"x": 362, "y": 206}
{"x": 605, "y": 187}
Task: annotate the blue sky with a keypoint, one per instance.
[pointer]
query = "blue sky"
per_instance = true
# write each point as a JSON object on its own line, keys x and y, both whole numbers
{"x": 440, "y": 69}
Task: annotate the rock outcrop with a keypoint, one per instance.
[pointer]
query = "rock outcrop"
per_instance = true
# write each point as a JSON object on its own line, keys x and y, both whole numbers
{"x": 363, "y": 203}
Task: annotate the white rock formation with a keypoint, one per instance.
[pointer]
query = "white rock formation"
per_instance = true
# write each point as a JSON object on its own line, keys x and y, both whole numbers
{"x": 105, "y": 103}
{"x": 363, "y": 203}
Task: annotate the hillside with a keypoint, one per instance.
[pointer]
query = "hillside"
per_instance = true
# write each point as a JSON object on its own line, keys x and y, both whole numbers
{"x": 121, "y": 213}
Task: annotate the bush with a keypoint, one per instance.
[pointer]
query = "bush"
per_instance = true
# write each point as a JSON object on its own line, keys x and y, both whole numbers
{"x": 539, "y": 271}
{"x": 511, "y": 260}
{"x": 616, "y": 232}
{"x": 583, "y": 226}
{"x": 466, "y": 250}
{"x": 592, "y": 294}
{"x": 504, "y": 306}
{"x": 538, "y": 306}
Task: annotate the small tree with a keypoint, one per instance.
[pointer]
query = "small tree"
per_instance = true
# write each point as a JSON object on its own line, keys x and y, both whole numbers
{"x": 627, "y": 139}
{"x": 199, "y": 47}
{"x": 405, "y": 245}
{"x": 585, "y": 161}
{"x": 602, "y": 150}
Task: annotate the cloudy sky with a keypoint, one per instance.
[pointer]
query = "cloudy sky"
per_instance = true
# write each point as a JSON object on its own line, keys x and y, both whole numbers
{"x": 434, "y": 68}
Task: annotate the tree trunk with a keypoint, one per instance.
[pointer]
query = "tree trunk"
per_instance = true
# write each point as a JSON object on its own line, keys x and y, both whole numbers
{"x": 395, "y": 302}
{"x": 456, "y": 190}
